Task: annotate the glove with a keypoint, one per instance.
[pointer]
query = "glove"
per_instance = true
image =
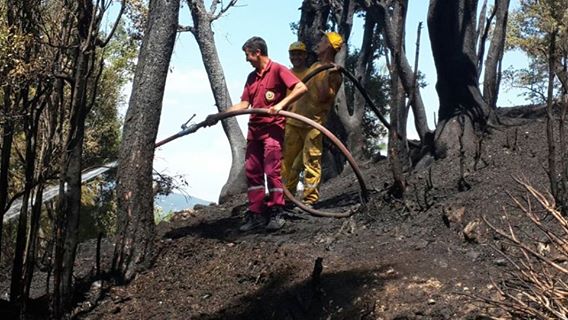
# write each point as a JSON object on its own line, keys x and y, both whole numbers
{"x": 211, "y": 120}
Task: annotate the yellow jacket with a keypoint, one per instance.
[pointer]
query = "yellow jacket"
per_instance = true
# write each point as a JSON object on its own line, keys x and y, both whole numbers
{"x": 319, "y": 99}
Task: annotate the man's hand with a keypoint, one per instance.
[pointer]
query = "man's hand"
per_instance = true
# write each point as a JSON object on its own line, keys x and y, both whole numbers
{"x": 275, "y": 109}
{"x": 212, "y": 119}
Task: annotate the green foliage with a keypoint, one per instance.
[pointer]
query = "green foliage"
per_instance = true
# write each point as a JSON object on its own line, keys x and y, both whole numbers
{"x": 378, "y": 87}
{"x": 529, "y": 30}
{"x": 531, "y": 80}
{"x": 103, "y": 124}
{"x": 161, "y": 216}
{"x": 98, "y": 211}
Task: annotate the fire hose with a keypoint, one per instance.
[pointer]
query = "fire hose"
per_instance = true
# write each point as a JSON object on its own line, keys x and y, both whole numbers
{"x": 364, "y": 192}
{"x": 364, "y": 195}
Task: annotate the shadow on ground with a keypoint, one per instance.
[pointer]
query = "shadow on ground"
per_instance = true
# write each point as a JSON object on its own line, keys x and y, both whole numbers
{"x": 337, "y": 295}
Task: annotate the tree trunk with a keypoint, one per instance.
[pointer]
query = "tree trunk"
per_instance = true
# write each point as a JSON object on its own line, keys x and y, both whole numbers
{"x": 404, "y": 70}
{"x": 7, "y": 138}
{"x": 492, "y": 77}
{"x": 453, "y": 36}
{"x": 482, "y": 32}
{"x": 17, "y": 284}
{"x": 69, "y": 205}
{"x": 134, "y": 248}
{"x": 236, "y": 182}
{"x": 313, "y": 20}
{"x": 334, "y": 162}
{"x": 352, "y": 121}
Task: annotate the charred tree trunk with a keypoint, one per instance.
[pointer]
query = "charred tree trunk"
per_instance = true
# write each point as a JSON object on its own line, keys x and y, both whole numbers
{"x": 16, "y": 285}
{"x": 69, "y": 205}
{"x": 134, "y": 248}
{"x": 313, "y": 20}
{"x": 492, "y": 77}
{"x": 8, "y": 110}
{"x": 30, "y": 110}
{"x": 483, "y": 27}
{"x": 69, "y": 202}
{"x": 452, "y": 27}
{"x": 236, "y": 182}
{"x": 5, "y": 154}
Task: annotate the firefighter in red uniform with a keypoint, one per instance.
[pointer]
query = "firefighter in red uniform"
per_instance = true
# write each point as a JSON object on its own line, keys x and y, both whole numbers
{"x": 266, "y": 88}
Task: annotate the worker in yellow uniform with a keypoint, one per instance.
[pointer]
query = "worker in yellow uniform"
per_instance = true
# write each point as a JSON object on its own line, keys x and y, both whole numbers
{"x": 298, "y": 55}
{"x": 300, "y": 138}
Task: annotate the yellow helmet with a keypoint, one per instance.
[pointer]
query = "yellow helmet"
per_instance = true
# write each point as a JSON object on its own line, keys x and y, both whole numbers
{"x": 297, "y": 46}
{"x": 335, "y": 39}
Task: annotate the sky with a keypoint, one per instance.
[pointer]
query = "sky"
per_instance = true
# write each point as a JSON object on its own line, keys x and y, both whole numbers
{"x": 203, "y": 158}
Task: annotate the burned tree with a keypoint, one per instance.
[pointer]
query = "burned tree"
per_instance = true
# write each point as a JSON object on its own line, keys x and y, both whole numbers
{"x": 134, "y": 248}
{"x": 492, "y": 76}
{"x": 462, "y": 111}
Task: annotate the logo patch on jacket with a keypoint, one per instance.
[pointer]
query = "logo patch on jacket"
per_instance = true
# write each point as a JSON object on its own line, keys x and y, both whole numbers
{"x": 269, "y": 95}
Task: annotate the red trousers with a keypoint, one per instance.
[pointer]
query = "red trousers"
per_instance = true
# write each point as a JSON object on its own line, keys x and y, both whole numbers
{"x": 264, "y": 157}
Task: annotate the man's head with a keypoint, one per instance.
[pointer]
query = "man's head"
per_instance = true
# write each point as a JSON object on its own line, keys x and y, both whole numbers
{"x": 254, "y": 49}
{"x": 298, "y": 54}
{"x": 330, "y": 43}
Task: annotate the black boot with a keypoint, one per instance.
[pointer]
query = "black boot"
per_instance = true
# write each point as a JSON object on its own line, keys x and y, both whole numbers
{"x": 253, "y": 221}
{"x": 276, "y": 219}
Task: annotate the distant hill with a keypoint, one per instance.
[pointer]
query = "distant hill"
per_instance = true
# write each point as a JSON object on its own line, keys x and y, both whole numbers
{"x": 177, "y": 202}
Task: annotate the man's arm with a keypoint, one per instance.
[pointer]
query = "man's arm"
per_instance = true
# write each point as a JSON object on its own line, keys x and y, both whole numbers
{"x": 298, "y": 91}
{"x": 212, "y": 119}
{"x": 239, "y": 106}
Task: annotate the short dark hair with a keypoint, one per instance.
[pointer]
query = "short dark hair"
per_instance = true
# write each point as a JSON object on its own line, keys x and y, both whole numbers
{"x": 256, "y": 43}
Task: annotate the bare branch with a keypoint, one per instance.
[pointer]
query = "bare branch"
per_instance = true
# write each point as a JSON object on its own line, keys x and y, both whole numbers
{"x": 186, "y": 29}
{"x": 223, "y": 9}
{"x": 120, "y": 12}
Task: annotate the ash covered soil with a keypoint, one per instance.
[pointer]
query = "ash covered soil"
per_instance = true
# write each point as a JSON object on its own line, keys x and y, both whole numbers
{"x": 426, "y": 257}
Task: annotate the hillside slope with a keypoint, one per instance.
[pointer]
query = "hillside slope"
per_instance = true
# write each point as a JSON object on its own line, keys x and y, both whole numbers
{"x": 395, "y": 260}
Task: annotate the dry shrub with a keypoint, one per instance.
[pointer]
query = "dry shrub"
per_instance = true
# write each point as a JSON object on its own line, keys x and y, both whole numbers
{"x": 536, "y": 287}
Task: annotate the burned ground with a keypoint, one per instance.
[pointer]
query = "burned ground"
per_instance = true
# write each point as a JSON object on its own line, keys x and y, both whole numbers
{"x": 395, "y": 260}
{"x": 426, "y": 257}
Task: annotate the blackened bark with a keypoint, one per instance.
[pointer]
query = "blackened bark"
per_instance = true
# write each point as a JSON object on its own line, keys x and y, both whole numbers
{"x": 492, "y": 77}
{"x": 552, "y": 165}
{"x": 5, "y": 154}
{"x": 453, "y": 36}
{"x": 69, "y": 202}
{"x": 482, "y": 32}
{"x": 398, "y": 154}
{"x": 17, "y": 281}
{"x": 313, "y": 21}
{"x": 236, "y": 182}
{"x": 134, "y": 250}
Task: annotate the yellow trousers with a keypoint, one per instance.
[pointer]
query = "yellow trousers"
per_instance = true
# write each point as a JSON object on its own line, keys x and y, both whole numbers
{"x": 307, "y": 142}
